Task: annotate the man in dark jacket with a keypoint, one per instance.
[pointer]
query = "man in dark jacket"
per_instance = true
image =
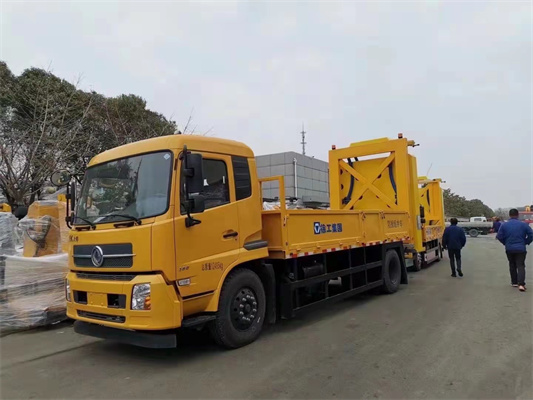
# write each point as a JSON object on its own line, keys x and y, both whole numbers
{"x": 496, "y": 225}
{"x": 516, "y": 235}
{"x": 454, "y": 239}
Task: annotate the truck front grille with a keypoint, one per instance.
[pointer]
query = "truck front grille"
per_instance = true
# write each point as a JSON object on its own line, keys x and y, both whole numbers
{"x": 105, "y": 277}
{"x": 102, "y": 317}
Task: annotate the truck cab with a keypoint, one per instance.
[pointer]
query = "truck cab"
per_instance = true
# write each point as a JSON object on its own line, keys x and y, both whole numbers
{"x": 135, "y": 261}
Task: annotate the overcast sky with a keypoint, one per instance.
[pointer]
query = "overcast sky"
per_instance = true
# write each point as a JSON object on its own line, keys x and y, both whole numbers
{"x": 454, "y": 76}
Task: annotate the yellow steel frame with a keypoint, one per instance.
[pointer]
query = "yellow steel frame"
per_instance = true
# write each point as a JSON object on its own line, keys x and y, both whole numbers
{"x": 395, "y": 153}
{"x": 432, "y": 201}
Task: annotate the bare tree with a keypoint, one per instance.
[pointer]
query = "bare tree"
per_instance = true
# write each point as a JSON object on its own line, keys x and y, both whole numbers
{"x": 47, "y": 123}
{"x": 41, "y": 128}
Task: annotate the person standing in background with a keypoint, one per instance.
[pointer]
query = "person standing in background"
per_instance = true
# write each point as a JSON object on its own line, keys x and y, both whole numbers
{"x": 515, "y": 235}
{"x": 454, "y": 239}
{"x": 496, "y": 225}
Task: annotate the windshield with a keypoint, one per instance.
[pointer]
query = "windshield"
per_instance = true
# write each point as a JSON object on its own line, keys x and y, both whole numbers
{"x": 128, "y": 188}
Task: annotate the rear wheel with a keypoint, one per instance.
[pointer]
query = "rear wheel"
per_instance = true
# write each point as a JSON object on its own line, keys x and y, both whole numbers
{"x": 392, "y": 272}
{"x": 473, "y": 232}
{"x": 241, "y": 310}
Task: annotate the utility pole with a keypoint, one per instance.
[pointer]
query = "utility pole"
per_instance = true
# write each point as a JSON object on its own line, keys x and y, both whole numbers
{"x": 303, "y": 142}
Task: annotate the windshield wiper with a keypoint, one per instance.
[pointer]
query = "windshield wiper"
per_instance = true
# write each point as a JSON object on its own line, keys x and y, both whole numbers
{"x": 127, "y": 216}
{"x": 74, "y": 217}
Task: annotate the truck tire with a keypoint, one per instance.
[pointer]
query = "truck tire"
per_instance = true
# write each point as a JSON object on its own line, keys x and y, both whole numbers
{"x": 392, "y": 272}
{"x": 473, "y": 232}
{"x": 241, "y": 310}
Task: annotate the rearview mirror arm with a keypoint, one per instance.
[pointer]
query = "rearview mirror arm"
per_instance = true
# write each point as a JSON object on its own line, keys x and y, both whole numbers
{"x": 190, "y": 220}
{"x": 68, "y": 217}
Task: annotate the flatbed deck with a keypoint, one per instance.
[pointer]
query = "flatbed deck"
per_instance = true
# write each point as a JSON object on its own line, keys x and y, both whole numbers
{"x": 298, "y": 233}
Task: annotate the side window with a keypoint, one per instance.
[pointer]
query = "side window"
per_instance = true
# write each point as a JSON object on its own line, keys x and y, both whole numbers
{"x": 216, "y": 186}
{"x": 241, "y": 174}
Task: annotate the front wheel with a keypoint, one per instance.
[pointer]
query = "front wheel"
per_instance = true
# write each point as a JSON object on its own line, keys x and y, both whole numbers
{"x": 473, "y": 233}
{"x": 392, "y": 272}
{"x": 241, "y": 310}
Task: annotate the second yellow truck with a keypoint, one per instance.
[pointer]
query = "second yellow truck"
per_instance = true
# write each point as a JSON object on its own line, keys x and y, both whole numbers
{"x": 170, "y": 232}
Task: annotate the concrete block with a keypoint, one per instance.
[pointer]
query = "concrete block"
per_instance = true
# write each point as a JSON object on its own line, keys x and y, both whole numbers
{"x": 308, "y": 173}
{"x": 277, "y": 159}
{"x": 323, "y": 187}
{"x": 316, "y": 185}
{"x": 263, "y": 172}
{"x": 276, "y": 170}
{"x": 289, "y": 169}
{"x": 316, "y": 175}
{"x": 263, "y": 161}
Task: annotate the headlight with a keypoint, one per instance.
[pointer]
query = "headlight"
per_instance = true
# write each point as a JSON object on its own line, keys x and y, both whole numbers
{"x": 140, "y": 297}
{"x": 67, "y": 289}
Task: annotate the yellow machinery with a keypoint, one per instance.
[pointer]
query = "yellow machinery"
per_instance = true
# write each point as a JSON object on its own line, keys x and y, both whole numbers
{"x": 170, "y": 233}
{"x": 380, "y": 174}
{"x": 44, "y": 229}
{"x": 433, "y": 222}
{"x": 4, "y": 207}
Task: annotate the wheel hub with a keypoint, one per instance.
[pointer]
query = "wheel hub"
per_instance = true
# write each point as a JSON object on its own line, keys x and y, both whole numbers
{"x": 244, "y": 309}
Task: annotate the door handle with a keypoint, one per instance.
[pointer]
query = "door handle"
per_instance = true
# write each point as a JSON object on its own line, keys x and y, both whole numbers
{"x": 230, "y": 235}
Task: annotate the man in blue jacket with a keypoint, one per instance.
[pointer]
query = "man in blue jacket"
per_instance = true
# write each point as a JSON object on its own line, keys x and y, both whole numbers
{"x": 496, "y": 225}
{"x": 516, "y": 235}
{"x": 454, "y": 239}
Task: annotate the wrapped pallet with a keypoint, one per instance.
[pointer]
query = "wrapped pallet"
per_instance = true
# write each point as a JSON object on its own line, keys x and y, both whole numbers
{"x": 32, "y": 291}
{"x": 8, "y": 239}
{"x": 32, "y": 285}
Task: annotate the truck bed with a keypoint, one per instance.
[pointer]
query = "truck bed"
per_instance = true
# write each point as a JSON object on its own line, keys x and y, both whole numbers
{"x": 296, "y": 233}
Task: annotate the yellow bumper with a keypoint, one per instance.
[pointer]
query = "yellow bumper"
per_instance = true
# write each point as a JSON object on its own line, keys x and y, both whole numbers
{"x": 166, "y": 306}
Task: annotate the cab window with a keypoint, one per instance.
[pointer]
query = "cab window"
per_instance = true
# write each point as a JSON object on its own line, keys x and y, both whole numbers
{"x": 216, "y": 185}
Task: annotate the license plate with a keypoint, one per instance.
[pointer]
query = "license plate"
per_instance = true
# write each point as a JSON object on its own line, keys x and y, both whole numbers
{"x": 97, "y": 299}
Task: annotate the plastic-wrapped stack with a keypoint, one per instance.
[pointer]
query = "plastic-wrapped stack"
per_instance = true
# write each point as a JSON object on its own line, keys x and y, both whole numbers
{"x": 32, "y": 279}
{"x": 8, "y": 240}
{"x": 32, "y": 293}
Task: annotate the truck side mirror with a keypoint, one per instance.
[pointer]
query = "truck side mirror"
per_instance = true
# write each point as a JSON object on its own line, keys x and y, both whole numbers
{"x": 422, "y": 215}
{"x": 194, "y": 184}
{"x": 60, "y": 178}
{"x": 194, "y": 174}
{"x": 73, "y": 196}
{"x": 197, "y": 203}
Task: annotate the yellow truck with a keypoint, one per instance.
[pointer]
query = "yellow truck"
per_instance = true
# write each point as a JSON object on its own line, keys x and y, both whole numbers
{"x": 432, "y": 216}
{"x": 170, "y": 233}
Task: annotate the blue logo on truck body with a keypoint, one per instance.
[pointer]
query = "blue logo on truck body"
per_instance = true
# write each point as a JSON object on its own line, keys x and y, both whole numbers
{"x": 327, "y": 228}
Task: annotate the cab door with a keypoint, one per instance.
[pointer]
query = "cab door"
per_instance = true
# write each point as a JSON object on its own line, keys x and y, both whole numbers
{"x": 205, "y": 250}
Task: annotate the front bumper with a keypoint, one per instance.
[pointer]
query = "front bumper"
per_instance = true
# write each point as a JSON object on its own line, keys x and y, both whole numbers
{"x": 136, "y": 338}
{"x": 166, "y": 311}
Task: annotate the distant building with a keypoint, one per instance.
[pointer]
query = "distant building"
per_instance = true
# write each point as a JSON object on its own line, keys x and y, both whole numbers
{"x": 305, "y": 177}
